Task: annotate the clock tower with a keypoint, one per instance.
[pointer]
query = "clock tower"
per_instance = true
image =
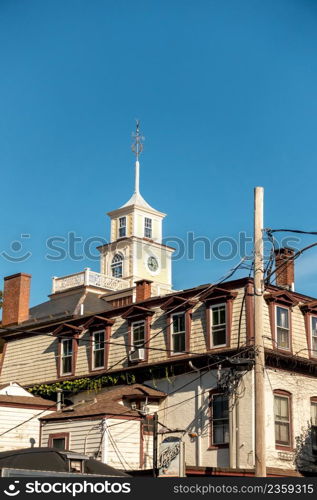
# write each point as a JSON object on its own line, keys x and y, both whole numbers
{"x": 135, "y": 250}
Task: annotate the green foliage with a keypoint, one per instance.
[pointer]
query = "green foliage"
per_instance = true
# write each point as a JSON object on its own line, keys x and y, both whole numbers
{"x": 82, "y": 384}
{"x": 95, "y": 384}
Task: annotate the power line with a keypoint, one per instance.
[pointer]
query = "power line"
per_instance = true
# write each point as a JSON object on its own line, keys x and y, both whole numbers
{"x": 208, "y": 288}
{"x": 26, "y": 421}
{"x": 296, "y": 231}
{"x": 286, "y": 261}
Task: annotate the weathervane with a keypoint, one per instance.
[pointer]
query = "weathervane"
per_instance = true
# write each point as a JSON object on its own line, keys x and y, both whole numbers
{"x": 137, "y": 148}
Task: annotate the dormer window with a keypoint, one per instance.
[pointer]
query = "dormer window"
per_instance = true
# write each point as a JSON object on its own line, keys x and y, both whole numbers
{"x": 314, "y": 336}
{"x": 66, "y": 356}
{"x": 218, "y": 325}
{"x": 139, "y": 324}
{"x": 281, "y": 304}
{"x": 219, "y": 305}
{"x": 282, "y": 328}
{"x": 117, "y": 266}
{"x": 178, "y": 324}
{"x": 98, "y": 348}
{"x": 178, "y": 333}
{"x": 147, "y": 227}
{"x": 122, "y": 227}
{"x": 138, "y": 334}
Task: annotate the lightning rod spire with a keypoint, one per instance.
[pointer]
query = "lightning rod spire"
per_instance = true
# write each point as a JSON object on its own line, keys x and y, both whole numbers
{"x": 137, "y": 148}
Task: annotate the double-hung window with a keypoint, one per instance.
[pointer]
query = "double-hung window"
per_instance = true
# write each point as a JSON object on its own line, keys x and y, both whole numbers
{"x": 147, "y": 227}
{"x": 219, "y": 408}
{"x": 178, "y": 332}
{"x": 66, "y": 356}
{"x": 313, "y": 412}
{"x": 313, "y": 326}
{"x": 98, "y": 349}
{"x": 218, "y": 325}
{"x": 282, "y": 419}
{"x": 122, "y": 227}
{"x": 138, "y": 334}
{"x": 282, "y": 328}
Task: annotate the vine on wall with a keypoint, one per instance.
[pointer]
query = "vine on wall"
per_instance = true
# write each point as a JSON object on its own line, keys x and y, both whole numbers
{"x": 95, "y": 384}
{"x": 82, "y": 384}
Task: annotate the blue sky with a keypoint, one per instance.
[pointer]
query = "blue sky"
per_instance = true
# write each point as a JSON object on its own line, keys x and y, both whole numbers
{"x": 226, "y": 94}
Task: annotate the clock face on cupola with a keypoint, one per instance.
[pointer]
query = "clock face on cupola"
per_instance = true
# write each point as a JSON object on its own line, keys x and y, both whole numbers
{"x": 135, "y": 250}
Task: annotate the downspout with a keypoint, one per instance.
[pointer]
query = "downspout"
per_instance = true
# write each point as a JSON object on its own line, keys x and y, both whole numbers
{"x": 237, "y": 435}
{"x": 232, "y": 434}
{"x": 59, "y": 399}
{"x": 198, "y": 413}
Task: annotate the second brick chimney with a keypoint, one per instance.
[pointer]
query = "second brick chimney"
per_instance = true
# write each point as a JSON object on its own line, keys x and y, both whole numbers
{"x": 16, "y": 298}
{"x": 143, "y": 290}
{"x": 284, "y": 265}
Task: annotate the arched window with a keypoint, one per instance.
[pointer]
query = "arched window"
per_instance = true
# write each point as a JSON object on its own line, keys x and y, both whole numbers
{"x": 117, "y": 266}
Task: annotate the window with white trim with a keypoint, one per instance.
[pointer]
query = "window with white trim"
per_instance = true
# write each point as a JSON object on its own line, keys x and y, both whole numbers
{"x": 66, "y": 356}
{"x": 282, "y": 328}
{"x": 282, "y": 419}
{"x": 219, "y": 407}
{"x": 218, "y": 325}
{"x": 178, "y": 332}
{"x": 147, "y": 227}
{"x": 313, "y": 413}
{"x": 117, "y": 266}
{"x": 98, "y": 349}
{"x": 138, "y": 334}
{"x": 313, "y": 326}
{"x": 122, "y": 227}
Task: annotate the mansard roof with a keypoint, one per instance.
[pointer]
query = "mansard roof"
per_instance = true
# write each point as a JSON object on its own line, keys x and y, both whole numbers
{"x": 68, "y": 304}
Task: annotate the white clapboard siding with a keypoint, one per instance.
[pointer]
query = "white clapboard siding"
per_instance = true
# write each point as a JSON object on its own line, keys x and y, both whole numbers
{"x": 79, "y": 431}
{"x": 23, "y": 435}
{"x": 126, "y": 435}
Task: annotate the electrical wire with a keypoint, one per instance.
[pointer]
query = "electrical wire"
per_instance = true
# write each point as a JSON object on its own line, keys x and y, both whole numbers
{"x": 169, "y": 312}
{"x": 26, "y": 421}
{"x": 296, "y": 231}
{"x": 286, "y": 261}
{"x": 117, "y": 451}
{"x": 208, "y": 288}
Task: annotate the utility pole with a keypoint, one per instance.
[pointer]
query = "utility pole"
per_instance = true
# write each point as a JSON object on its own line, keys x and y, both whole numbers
{"x": 260, "y": 443}
{"x": 155, "y": 433}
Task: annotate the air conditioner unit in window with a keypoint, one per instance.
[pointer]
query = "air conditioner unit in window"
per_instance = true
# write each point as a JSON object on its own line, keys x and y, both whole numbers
{"x": 145, "y": 410}
{"x": 137, "y": 355}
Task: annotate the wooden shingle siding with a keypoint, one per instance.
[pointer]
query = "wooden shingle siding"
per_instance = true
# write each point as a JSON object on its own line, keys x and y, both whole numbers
{"x": 30, "y": 360}
{"x": 33, "y": 360}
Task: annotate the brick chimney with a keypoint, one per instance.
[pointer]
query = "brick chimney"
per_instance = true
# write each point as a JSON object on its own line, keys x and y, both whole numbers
{"x": 143, "y": 290}
{"x": 16, "y": 297}
{"x": 285, "y": 263}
